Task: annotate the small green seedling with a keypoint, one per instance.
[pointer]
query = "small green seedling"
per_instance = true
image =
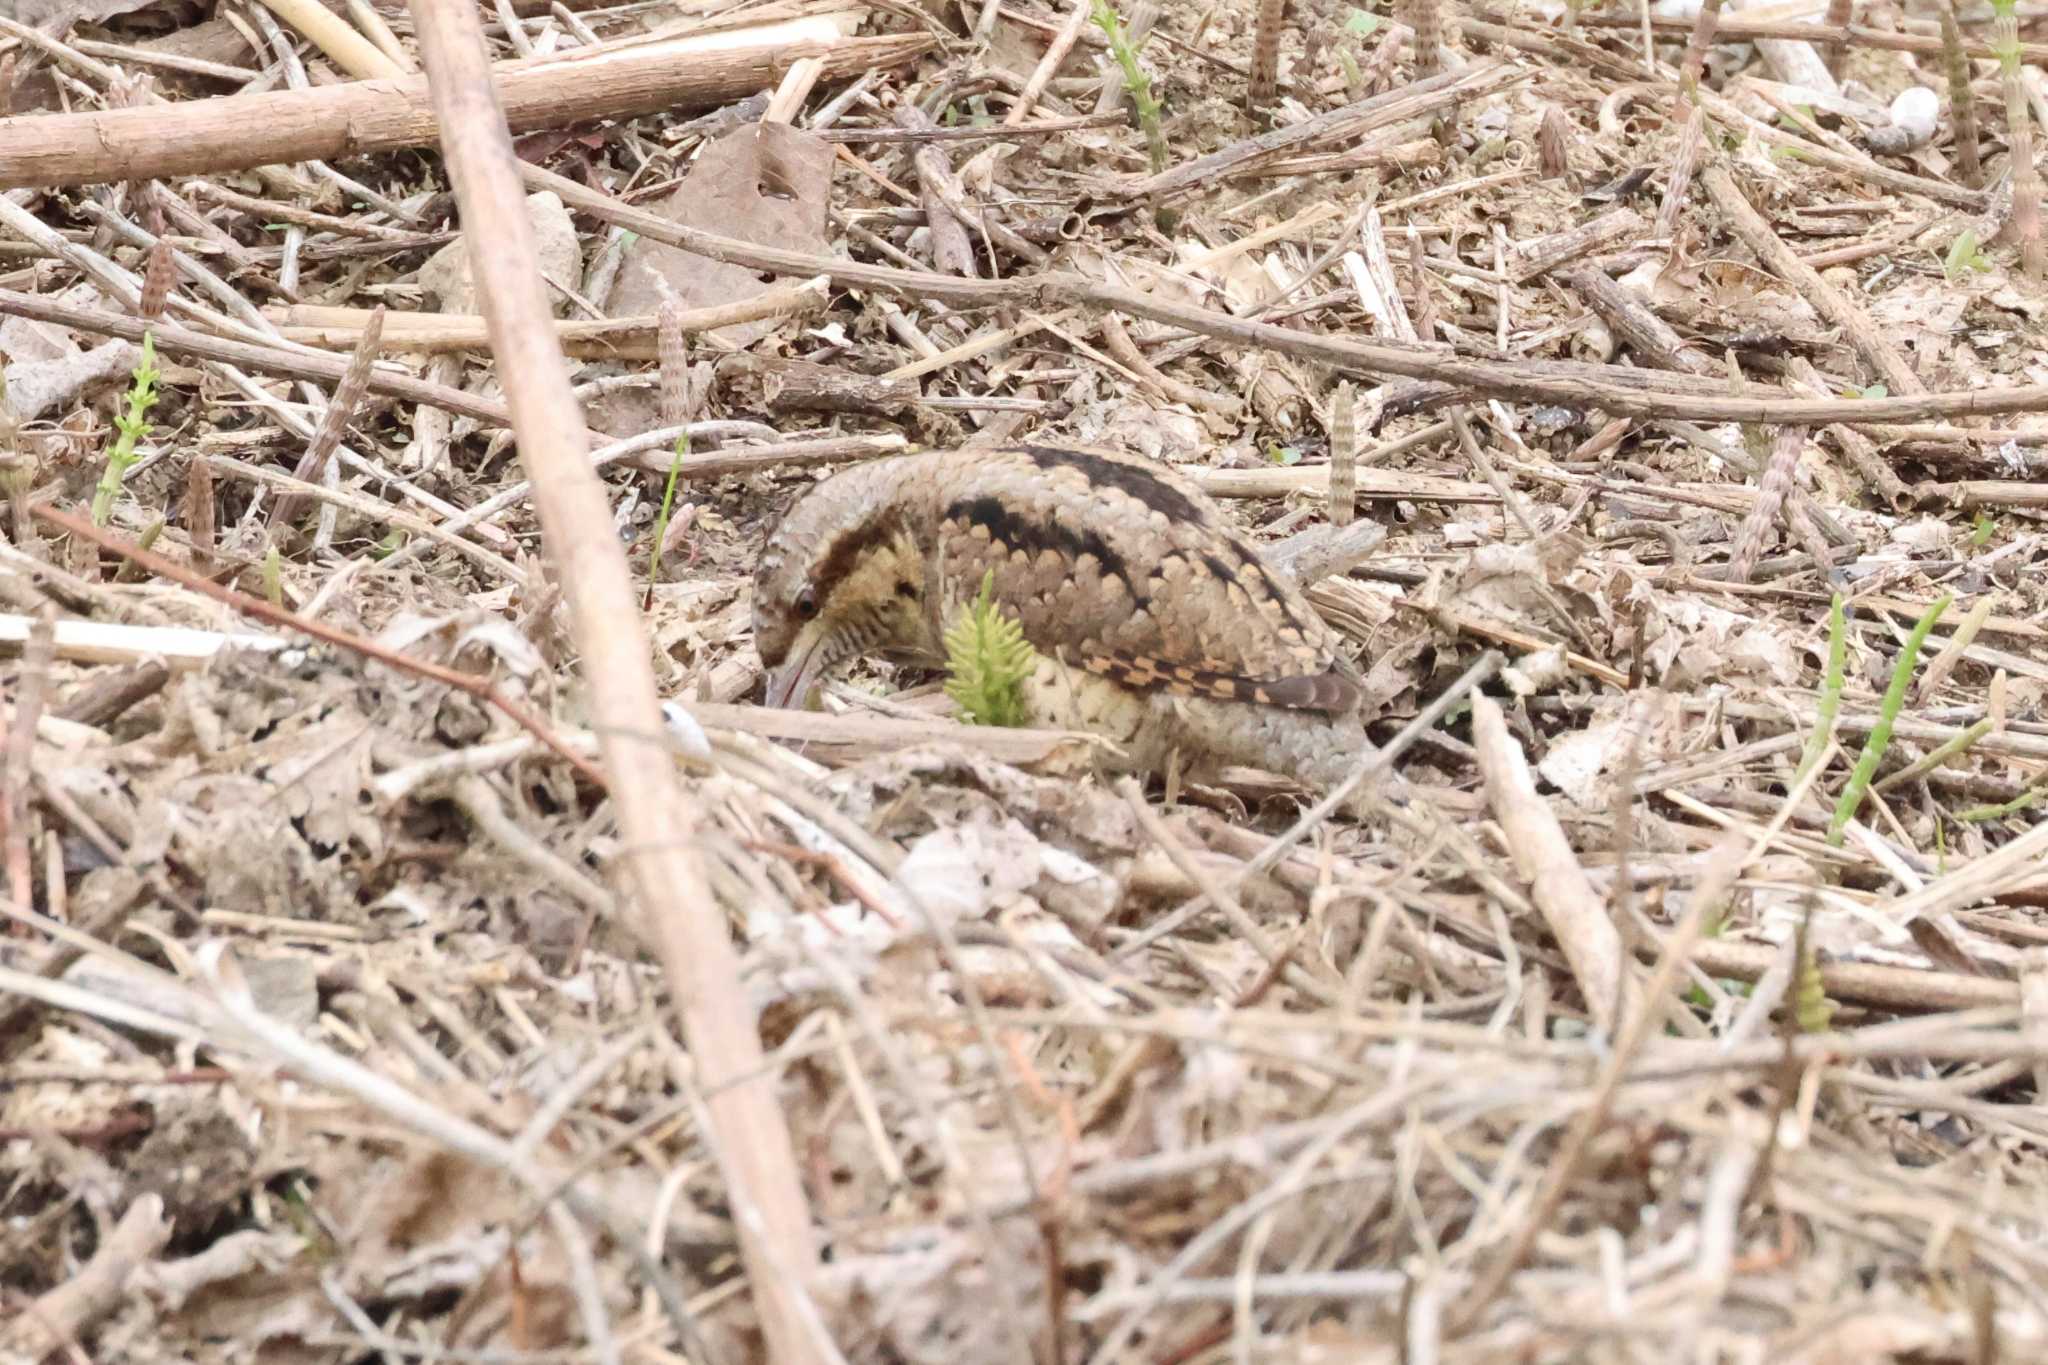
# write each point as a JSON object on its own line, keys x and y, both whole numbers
{"x": 668, "y": 502}
{"x": 987, "y": 661}
{"x": 130, "y": 427}
{"x": 1880, "y": 736}
{"x": 273, "y": 577}
{"x": 1830, "y": 691}
{"x": 1137, "y": 81}
{"x": 1811, "y": 1008}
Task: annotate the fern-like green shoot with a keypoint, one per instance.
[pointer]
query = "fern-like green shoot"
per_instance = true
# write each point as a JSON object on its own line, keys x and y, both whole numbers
{"x": 130, "y": 427}
{"x": 1137, "y": 81}
{"x": 987, "y": 661}
{"x": 1810, "y": 1004}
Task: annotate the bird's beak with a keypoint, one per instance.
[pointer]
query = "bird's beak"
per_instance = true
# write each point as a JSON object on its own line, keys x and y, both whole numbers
{"x": 790, "y": 685}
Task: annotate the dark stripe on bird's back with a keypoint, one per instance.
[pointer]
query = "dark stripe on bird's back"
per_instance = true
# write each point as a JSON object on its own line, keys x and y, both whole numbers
{"x": 1251, "y": 574}
{"x": 1135, "y": 480}
{"x": 1328, "y": 692}
{"x": 1154, "y": 492}
{"x": 1008, "y": 529}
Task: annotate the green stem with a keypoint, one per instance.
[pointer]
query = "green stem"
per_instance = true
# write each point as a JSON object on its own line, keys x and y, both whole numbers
{"x": 1880, "y": 736}
{"x": 1978, "y": 814}
{"x": 1137, "y": 81}
{"x": 1949, "y": 748}
{"x": 668, "y": 501}
{"x": 1830, "y": 692}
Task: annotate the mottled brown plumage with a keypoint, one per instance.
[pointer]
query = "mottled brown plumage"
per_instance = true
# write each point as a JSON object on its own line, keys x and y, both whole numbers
{"x": 1157, "y": 622}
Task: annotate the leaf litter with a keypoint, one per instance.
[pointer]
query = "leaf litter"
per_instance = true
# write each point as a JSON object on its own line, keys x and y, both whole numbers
{"x": 348, "y": 999}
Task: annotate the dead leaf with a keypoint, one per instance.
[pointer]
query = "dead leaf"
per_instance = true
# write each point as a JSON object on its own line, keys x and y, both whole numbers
{"x": 765, "y": 183}
{"x": 54, "y": 16}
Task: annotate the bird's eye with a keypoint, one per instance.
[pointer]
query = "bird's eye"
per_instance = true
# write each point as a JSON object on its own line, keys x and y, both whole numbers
{"x": 807, "y": 604}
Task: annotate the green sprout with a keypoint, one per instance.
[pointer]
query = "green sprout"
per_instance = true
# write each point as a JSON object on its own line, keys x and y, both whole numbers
{"x": 1811, "y": 1008}
{"x": 1137, "y": 81}
{"x": 1830, "y": 692}
{"x": 131, "y": 426}
{"x": 668, "y": 502}
{"x": 1880, "y": 737}
{"x": 1977, "y": 815}
{"x": 273, "y": 577}
{"x": 987, "y": 661}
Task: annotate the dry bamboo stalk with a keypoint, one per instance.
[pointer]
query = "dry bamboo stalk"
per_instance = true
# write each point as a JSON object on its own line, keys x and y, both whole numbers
{"x": 237, "y": 132}
{"x": 30, "y": 687}
{"x": 661, "y": 861}
{"x": 1937, "y": 670}
{"x": 1116, "y": 339}
{"x": 1738, "y": 29}
{"x": 1724, "y": 865}
{"x": 345, "y": 47}
{"x": 348, "y": 396}
{"x": 61, "y": 1316}
{"x": 952, "y": 249}
{"x": 1049, "y": 65}
{"x": 1532, "y": 258}
{"x": 1558, "y": 885}
{"x": 1419, "y": 99}
{"x": 1858, "y": 166}
{"x": 307, "y": 365}
{"x": 797, "y": 84}
{"x": 630, "y": 338}
{"x": 378, "y": 32}
{"x": 1314, "y": 481}
{"x": 1415, "y": 155}
{"x": 1831, "y": 303}
{"x": 1614, "y": 389}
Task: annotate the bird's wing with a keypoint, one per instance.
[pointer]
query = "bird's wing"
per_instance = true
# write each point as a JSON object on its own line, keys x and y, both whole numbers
{"x": 1125, "y": 570}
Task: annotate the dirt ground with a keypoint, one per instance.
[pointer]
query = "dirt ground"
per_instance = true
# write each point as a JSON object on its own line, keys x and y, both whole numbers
{"x": 1682, "y": 1001}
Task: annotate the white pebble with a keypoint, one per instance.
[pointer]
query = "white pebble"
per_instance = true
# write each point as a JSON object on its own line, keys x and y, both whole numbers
{"x": 1916, "y": 109}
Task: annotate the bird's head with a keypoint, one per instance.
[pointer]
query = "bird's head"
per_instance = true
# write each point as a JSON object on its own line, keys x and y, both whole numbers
{"x": 842, "y": 575}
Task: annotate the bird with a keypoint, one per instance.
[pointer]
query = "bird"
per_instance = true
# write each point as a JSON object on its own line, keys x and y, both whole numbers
{"x": 1155, "y": 622}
